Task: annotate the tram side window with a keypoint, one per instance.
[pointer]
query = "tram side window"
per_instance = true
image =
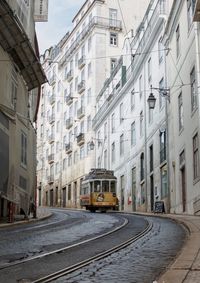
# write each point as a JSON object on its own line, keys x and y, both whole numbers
{"x": 91, "y": 187}
{"x": 105, "y": 186}
{"x": 112, "y": 187}
{"x": 97, "y": 186}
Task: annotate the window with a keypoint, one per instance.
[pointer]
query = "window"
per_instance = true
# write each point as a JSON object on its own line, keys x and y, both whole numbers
{"x": 82, "y": 152}
{"x": 180, "y": 111}
{"x": 140, "y": 86}
{"x": 132, "y": 99}
{"x": 133, "y": 134}
{"x": 23, "y": 149}
{"x": 105, "y": 158}
{"x": 89, "y": 96}
{"x": 160, "y": 50}
{"x": 141, "y": 123}
{"x": 75, "y": 157}
{"x": 113, "y": 39}
{"x": 89, "y": 44}
{"x": 149, "y": 71}
{"x": 57, "y": 126}
{"x": 193, "y": 90}
{"x": 64, "y": 163}
{"x": 89, "y": 123}
{"x": 98, "y": 138}
{"x": 163, "y": 146}
{"x": 142, "y": 167}
{"x": 105, "y": 130}
{"x": 57, "y": 167}
{"x": 113, "y": 62}
{"x": 190, "y": 11}
{"x": 177, "y": 41}
{"x": 113, "y": 123}
{"x": 161, "y": 98}
{"x": 69, "y": 160}
{"x": 58, "y": 106}
{"x": 59, "y": 86}
{"x": 99, "y": 162}
{"x": 121, "y": 113}
{"x": 122, "y": 144}
{"x": 113, "y": 17}
{"x": 89, "y": 69}
{"x": 195, "y": 156}
{"x": 57, "y": 147}
{"x": 164, "y": 190}
{"x": 151, "y": 158}
{"x": 113, "y": 152}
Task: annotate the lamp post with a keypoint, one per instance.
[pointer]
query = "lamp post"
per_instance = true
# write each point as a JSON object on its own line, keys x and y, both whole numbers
{"x": 164, "y": 92}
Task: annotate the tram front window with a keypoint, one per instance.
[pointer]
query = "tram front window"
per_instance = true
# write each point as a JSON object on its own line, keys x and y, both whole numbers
{"x": 105, "y": 186}
{"x": 97, "y": 186}
{"x": 112, "y": 187}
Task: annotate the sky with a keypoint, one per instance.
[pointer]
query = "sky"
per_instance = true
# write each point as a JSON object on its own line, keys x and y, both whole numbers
{"x": 61, "y": 13}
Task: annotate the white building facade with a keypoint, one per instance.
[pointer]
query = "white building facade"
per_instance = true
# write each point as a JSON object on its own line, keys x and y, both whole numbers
{"x": 77, "y": 69}
{"x": 182, "y": 41}
{"x": 134, "y": 137}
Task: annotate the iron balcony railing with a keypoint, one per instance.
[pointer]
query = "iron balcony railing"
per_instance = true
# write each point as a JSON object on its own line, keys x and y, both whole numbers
{"x": 81, "y": 62}
{"x": 81, "y": 86}
{"x": 68, "y": 148}
{"x": 69, "y": 75}
{"x": 80, "y": 139}
{"x": 69, "y": 123}
{"x": 51, "y": 158}
{"x": 52, "y": 99}
{"x": 51, "y": 118}
{"x": 51, "y": 138}
{"x": 69, "y": 99}
{"x": 50, "y": 179}
{"x": 80, "y": 112}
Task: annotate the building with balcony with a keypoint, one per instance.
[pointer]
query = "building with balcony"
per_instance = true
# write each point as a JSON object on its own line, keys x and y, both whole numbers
{"x": 21, "y": 76}
{"x": 134, "y": 137}
{"x": 81, "y": 62}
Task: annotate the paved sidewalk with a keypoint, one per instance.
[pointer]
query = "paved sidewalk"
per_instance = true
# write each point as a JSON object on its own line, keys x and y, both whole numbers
{"x": 186, "y": 267}
{"x": 42, "y": 213}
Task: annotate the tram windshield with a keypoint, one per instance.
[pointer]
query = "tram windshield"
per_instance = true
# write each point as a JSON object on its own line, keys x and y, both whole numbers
{"x": 105, "y": 186}
{"x": 113, "y": 187}
{"x": 97, "y": 186}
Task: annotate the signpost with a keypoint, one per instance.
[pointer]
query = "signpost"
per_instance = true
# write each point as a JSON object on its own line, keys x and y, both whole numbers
{"x": 159, "y": 207}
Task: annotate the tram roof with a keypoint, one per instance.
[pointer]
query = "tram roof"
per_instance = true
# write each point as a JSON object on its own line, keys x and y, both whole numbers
{"x": 100, "y": 173}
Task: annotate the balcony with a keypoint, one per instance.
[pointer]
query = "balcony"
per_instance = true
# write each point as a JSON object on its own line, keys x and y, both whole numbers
{"x": 81, "y": 112}
{"x": 50, "y": 158}
{"x": 51, "y": 118}
{"x": 69, "y": 123}
{"x": 52, "y": 79}
{"x": 81, "y": 86}
{"x": 68, "y": 148}
{"x": 69, "y": 99}
{"x": 52, "y": 99}
{"x": 50, "y": 179}
{"x": 81, "y": 62}
{"x": 69, "y": 76}
{"x": 80, "y": 139}
{"x": 51, "y": 138}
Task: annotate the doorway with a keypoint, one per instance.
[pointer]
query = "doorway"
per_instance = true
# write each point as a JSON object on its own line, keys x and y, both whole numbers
{"x": 152, "y": 191}
{"x": 183, "y": 187}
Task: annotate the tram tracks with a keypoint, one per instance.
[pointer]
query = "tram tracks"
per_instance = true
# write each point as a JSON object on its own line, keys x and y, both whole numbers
{"x": 58, "y": 263}
{"x": 75, "y": 267}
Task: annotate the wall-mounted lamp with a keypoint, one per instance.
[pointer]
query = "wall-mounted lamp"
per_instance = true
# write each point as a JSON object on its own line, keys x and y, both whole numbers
{"x": 152, "y": 100}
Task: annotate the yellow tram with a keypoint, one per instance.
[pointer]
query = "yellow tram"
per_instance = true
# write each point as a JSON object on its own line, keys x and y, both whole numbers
{"x": 98, "y": 190}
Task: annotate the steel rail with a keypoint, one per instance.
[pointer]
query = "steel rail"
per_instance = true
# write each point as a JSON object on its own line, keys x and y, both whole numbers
{"x": 77, "y": 266}
{"x": 6, "y": 266}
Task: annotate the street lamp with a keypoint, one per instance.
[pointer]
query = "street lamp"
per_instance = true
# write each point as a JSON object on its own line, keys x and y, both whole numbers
{"x": 164, "y": 92}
